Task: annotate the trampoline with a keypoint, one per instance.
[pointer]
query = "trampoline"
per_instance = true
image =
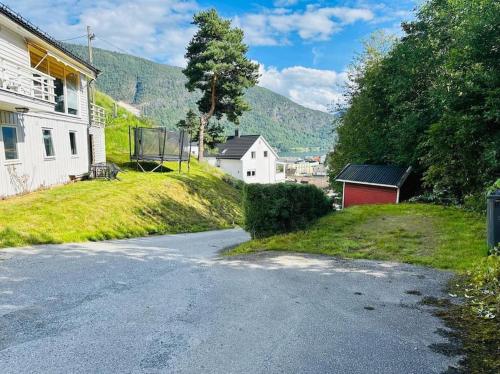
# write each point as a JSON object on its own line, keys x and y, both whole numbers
{"x": 157, "y": 144}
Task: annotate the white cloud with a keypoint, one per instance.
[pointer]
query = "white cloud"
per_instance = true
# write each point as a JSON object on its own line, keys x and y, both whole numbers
{"x": 272, "y": 27}
{"x": 283, "y": 3}
{"x": 312, "y": 88}
{"x": 156, "y": 29}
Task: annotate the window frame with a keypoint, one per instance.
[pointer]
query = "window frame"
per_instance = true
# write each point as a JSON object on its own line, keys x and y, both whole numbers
{"x": 251, "y": 172}
{"x": 46, "y": 157}
{"x": 253, "y": 155}
{"x": 10, "y": 160}
{"x": 73, "y": 133}
{"x": 65, "y": 71}
{"x": 266, "y": 154}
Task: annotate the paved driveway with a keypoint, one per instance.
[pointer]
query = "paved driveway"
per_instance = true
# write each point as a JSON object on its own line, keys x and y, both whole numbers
{"x": 170, "y": 304}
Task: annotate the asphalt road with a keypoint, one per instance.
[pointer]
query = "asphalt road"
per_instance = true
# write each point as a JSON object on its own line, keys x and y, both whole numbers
{"x": 171, "y": 304}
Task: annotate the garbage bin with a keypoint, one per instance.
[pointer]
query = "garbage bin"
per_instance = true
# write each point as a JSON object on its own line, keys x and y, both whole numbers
{"x": 493, "y": 218}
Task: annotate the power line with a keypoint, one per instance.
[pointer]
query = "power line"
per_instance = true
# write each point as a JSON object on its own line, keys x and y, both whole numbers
{"x": 113, "y": 45}
{"x": 76, "y": 37}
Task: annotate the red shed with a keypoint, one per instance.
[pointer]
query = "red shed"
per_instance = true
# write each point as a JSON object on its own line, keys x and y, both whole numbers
{"x": 372, "y": 184}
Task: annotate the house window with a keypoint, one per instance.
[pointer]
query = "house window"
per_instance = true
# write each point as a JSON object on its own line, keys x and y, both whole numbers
{"x": 59, "y": 95}
{"x": 72, "y": 143}
{"x": 253, "y": 154}
{"x": 265, "y": 153}
{"x": 72, "y": 93}
{"x": 9, "y": 135}
{"x": 250, "y": 173}
{"x": 66, "y": 80}
{"x": 48, "y": 144}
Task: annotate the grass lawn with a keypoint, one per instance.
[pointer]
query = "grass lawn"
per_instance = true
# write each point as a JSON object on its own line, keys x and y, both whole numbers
{"x": 441, "y": 237}
{"x": 136, "y": 205}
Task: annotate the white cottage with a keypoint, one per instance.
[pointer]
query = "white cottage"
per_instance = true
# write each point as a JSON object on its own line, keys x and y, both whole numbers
{"x": 50, "y": 131}
{"x": 249, "y": 158}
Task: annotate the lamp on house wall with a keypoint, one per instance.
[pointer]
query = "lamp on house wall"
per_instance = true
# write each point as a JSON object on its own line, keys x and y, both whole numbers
{"x": 22, "y": 109}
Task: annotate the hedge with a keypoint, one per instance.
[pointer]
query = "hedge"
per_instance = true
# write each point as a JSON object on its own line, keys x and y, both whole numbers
{"x": 277, "y": 208}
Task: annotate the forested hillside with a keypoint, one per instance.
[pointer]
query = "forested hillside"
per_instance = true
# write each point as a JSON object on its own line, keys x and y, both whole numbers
{"x": 432, "y": 101}
{"x": 158, "y": 90}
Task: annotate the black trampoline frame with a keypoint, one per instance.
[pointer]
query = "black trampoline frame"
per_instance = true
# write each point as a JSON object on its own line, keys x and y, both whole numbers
{"x": 161, "y": 158}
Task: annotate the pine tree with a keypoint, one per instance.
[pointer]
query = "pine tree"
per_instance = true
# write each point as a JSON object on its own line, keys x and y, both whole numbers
{"x": 218, "y": 67}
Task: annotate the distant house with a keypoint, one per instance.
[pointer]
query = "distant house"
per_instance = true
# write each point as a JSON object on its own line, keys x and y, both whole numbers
{"x": 249, "y": 158}
{"x": 50, "y": 130}
{"x": 372, "y": 184}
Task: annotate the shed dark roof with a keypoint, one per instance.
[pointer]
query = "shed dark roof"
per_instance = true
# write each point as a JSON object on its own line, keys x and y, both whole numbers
{"x": 385, "y": 175}
{"x": 236, "y": 146}
{"x": 21, "y": 21}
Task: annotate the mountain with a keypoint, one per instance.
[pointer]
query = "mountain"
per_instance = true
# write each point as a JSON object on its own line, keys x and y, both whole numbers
{"x": 158, "y": 91}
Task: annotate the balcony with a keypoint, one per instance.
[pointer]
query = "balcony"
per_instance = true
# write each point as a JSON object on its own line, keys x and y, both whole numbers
{"x": 97, "y": 116}
{"x": 23, "y": 86}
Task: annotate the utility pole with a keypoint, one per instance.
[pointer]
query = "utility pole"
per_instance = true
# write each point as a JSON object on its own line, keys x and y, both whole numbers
{"x": 90, "y": 37}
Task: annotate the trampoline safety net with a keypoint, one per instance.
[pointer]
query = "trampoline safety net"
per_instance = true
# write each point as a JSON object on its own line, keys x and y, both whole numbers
{"x": 159, "y": 144}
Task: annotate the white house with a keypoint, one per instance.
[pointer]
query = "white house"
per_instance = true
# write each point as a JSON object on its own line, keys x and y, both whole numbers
{"x": 50, "y": 131}
{"x": 249, "y": 158}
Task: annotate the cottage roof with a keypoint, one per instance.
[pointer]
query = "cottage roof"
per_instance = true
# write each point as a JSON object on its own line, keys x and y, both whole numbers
{"x": 27, "y": 25}
{"x": 236, "y": 146}
{"x": 379, "y": 175}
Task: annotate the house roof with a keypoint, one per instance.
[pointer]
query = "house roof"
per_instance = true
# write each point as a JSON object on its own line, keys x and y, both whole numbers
{"x": 24, "y": 23}
{"x": 378, "y": 175}
{"x": 236, "y": 146}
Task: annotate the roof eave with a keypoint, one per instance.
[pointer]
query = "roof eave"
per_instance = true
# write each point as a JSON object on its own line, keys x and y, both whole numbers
{"x": 32, "y": 29}
{"x": 367, "y": 183}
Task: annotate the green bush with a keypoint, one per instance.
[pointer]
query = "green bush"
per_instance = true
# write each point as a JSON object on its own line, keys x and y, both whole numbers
{"x": 233, "y": 182}
{"x": 279, "y": 208}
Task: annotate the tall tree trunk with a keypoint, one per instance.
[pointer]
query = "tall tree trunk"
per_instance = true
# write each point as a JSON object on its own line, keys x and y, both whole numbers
{"x": 201, "y": 138}
{"x": 205, "y": 118}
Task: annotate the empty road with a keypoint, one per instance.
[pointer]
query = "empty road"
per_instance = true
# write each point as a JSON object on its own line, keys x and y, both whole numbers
{"x": 172, "y": 304}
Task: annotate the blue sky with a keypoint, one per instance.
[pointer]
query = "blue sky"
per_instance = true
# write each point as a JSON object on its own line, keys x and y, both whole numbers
{"x": 303, "y": 47}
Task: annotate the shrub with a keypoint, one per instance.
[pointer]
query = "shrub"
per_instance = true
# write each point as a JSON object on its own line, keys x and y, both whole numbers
{"x": 233, "y": 182}
{"x": 279, "y": 208}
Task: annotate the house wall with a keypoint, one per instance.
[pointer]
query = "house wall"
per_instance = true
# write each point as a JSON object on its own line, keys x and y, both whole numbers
{"x": 265, "y": 167}
{"x": 32, "y": 170}
{"x": 357, "y": 194}
{"x": 13, "y": 47}
{"x": 232, "y": 167}
{"x": 99, "y": 144}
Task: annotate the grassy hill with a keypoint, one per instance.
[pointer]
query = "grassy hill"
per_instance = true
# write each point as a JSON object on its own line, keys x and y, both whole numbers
{"x": 136, "y": 205}
{"x": 158, "y": 90}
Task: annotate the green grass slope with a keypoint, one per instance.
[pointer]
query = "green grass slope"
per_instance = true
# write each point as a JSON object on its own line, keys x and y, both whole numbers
{"x": 437, "y": 236}
{"x": 136, "y": 205}
{"x": 158, "y": 90}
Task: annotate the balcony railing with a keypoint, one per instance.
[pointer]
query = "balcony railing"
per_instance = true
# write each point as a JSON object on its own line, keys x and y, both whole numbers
{"x": 97, "y": 115}
{"x": 26, "y": 81}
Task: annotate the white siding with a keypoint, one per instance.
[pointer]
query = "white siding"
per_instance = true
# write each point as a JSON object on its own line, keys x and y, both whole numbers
{"x": 33, "y": 170}
{"x": 84, "y": 102}
{"x": 99, "y": 143}
{"x": 265, "y": 167}
{"x": 232, "y": 167}
{"x": 13, "y": 47}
